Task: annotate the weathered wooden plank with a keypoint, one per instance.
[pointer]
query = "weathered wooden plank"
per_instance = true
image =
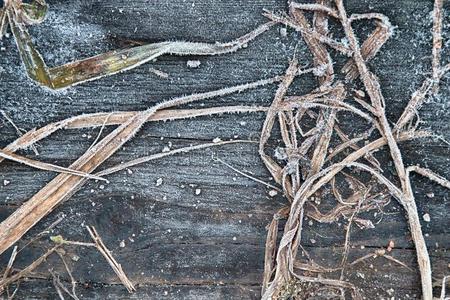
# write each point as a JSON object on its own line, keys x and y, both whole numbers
{"x": 207, "y": 254}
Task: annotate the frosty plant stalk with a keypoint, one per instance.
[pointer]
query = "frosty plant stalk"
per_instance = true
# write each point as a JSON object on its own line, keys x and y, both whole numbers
{"x": 18, "y": 15}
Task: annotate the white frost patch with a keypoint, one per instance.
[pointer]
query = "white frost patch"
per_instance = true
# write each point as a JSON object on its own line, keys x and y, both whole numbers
{"x": 66, "y": 26}
{"x": 273, "y": 193}
{"x": 193, "y": 63}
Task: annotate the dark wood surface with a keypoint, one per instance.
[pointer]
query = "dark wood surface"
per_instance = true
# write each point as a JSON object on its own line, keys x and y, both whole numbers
{"x": 179, "y": 245}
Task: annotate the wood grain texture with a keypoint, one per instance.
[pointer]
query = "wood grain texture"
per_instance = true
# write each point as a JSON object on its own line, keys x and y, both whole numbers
{"x": 179, "y": 245}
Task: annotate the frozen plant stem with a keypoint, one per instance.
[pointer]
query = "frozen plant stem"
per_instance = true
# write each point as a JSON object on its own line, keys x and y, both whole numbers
{"x": 116, "y": 118}
{"x": 104, "y": 64}
{"x": 437, "y": 43}
{"x": 373, "y": 89}
{"x": 64, "y": 186}
{"x": 101, "y": 247}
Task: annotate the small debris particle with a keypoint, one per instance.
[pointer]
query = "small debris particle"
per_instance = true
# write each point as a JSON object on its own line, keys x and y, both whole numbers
{"x": 360, "y": 93}
{"x": 193, "y": 63}
{"x": 390, "y": 246}
{"x": 313, "y": 241}
{"x": 243, "y": 123}
{"x": 159, "y": 181}
{"x": 124, "y": 56}
{"x": 122, "y": 244}
{"x": 6, "y": 182}
{"x": 234, "y": 238}
{"x": 360, "y": 275}
{"x": 166, "y": 149}
{"x": 198, "y": 191}
{"x": 390, "y": 291}
{"x": 217, "y": 140}
{"x": 166, "y": 293}
{"x": 283, "y": 32}
{"x": 129, "y": 171}
{"x": 426, "y": 217}
{"x": 273, "y": 193}
{"x": 75, "y": 258}
{"x": 102, "y": 187}
{"x": 310, "y": 223}
{"x": 430, "y": 195}
{"x": 159, "y": 73}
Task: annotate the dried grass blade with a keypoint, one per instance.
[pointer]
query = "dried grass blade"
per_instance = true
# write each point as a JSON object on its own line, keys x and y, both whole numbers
{"x": 110, "y": 259}
{"x": 117, "y": 118}
{"x": 270, "y": 252}
{"x": 3, "y": 22}
{"x": 274, "y": 169}
{"x": 322, "y": 58}
{"x": 31, "y": 58}
{"x": 414, "y": 104}
{"x": 246, "y": 175}
{"x": 112, "y": 62}
{"x": 370, "y": 47}
{"x": 437, "y": 43}
{"x": 46, "y": 166}
{"x": 316, "y": 8}
{"x": 9, "y": 280}
{"x": 64, "y": 186}
{"x": 145, "y": 159}
{"x": 430, "y": 175}
{"x": 8, "y": 268}
{"x": 331, "y": 171}
{"x": 407, "y": 198}
{"x": 323, "y": 39}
